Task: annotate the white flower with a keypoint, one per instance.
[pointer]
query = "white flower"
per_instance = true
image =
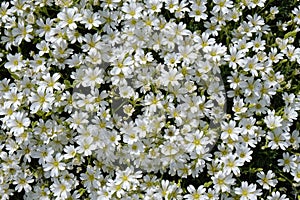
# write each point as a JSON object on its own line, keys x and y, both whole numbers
{"x": 142, "y": 126}
{"x": 15, "y": 62}
{"x": 45, "y": 27}
{"x": 215, "y": 52}
{"x": 61, "y": 189}
{"x": 296, "y": 173}
{"x": 266, "y": 180}
{"x": 296, "y": 12}
{"x": 22, "y": 32}
{"x": 288, "y": 162}
{"x": 42, "y": 153}
{"x": 222, "y": 5}
{"x": 60, "y": 48}
{"x": 278, "y": 139}
{"x": 91, "y": 178}
{"x": 153, "y": 101}
{"x": 69, "y": 17}
{"x": 130, "y": 134}
{"x": 124, "y": 65}
{"x": 54, "y": 165}
{"x": 50, "y": 82}
{"x": 295, "y": 139}
{"x": 259, "y": 3}
{"x": 256, "y": 22}
{"x": 154, "y": 6}
{"x": 177, "y": 30}
{"x": 13, "y": 98}
{"x": 92, "y": 42}
{"x": 172, "y": 59}
{"x": 41, "y": 99}
{"x": 274, "y": 10}
{"x": 230, "y": 130}
{"x": 86, "y": 146}
{"x": 198, "y": 12}
{"x": 115, "y": 188}
{"x": 222, "y": 182}
{"x": 276, "y": 196}
{"x": 43, "y": 47}
{"x": 244, "y": 153}
{"x": 248, "y": 192}
{"x": 194, "y": 194}
{"x": 272, "y": 121}
{"x": 70, "y": 152}
{"x": 171, "y": 77}
{"x": 212, "y": 28}
{"x": 41, "y": 193}
{"x": 90, "y": 19}
{"x": 127, "y": 178}
{"x": 132, "y": 10}
{"x": 196, "y": 141}
{"x": 171, "y": 5}
{"x": 93, "y": 77}
{"x": 22, "y": 181}
{"x": 78, "y": 119}
{"x": 252, "y": 65}
{"x": 126, "y": 92}
{"x": 232, "y": 164}
{"x": 4, "y": 11}
{"x": 18, "y": 122}
{"x": 235, "y": 58}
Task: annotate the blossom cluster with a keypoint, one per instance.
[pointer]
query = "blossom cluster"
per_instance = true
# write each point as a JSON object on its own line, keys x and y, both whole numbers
{"x": 156, "y": 99}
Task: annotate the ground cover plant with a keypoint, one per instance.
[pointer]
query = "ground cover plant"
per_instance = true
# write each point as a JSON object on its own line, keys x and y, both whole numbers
{"x": 157, "y": 99}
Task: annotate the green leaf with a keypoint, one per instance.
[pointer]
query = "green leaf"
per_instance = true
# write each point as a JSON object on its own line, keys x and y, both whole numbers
{"x": 33, "y": 124}
{"x": 67, "y": 84}
{"x": 15, "y": 76}
{"x": 48, "y": 114}
{"x": 40, "y": 113}
{"x": 281, "y": 179}
{"x": 207, "y": 184}
{"x": 290, "y": 34}
{"x": 81, "y": 191}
